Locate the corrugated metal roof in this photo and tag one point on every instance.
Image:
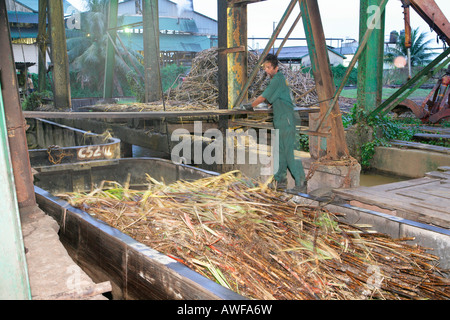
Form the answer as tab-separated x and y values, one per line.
24	33
287	53
23	17
169	42
34	4
295	52
165	23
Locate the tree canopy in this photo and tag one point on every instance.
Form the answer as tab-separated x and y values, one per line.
420	52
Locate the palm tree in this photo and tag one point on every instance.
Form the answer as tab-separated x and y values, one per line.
87	49
420	52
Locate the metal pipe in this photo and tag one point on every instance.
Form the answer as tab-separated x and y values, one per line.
408	42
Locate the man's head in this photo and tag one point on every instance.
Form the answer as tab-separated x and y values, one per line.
270	64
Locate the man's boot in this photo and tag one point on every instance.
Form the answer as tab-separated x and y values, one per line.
299	187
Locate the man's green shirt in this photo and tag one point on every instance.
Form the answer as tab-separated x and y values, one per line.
278	94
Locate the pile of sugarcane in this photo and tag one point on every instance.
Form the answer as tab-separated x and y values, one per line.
262	244
201	84
152	106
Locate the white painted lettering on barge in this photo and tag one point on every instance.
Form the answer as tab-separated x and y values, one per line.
94	152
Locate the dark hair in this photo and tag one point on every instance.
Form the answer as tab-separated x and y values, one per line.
273	59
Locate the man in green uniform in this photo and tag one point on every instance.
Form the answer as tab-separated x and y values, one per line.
278	95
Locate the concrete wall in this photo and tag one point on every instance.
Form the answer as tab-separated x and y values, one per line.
411	163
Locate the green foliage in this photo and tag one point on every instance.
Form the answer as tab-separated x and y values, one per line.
420	52
136	87
86	49
302	142
170	73
36	100
339	73
384	129
169	76
441	142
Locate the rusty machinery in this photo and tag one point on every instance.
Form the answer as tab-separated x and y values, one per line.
436	105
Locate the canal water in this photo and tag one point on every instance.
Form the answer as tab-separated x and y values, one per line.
369	179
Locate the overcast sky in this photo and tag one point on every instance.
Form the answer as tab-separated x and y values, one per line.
340	18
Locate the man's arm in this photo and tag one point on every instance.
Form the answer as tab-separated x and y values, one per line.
258	100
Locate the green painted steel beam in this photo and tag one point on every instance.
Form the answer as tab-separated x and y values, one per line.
61	80
14	283
370	65
108	81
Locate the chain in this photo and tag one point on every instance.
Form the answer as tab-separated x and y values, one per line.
56	159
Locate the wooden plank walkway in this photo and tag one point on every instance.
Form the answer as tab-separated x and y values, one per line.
425	200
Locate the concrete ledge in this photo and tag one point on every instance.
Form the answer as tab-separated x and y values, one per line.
411	163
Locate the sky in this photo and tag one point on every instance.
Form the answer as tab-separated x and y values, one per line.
340	19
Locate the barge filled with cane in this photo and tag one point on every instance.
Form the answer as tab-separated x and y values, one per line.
158	230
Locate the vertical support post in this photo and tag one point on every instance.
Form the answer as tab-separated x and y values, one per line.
222	60
61	81
408	40
334	146
237	61
151	50
370	64
42	45
108	81
265	52
15	121
14	283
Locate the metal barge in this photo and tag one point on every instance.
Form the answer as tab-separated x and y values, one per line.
137	271
134	270
52	143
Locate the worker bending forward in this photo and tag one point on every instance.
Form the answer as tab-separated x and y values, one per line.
278	94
